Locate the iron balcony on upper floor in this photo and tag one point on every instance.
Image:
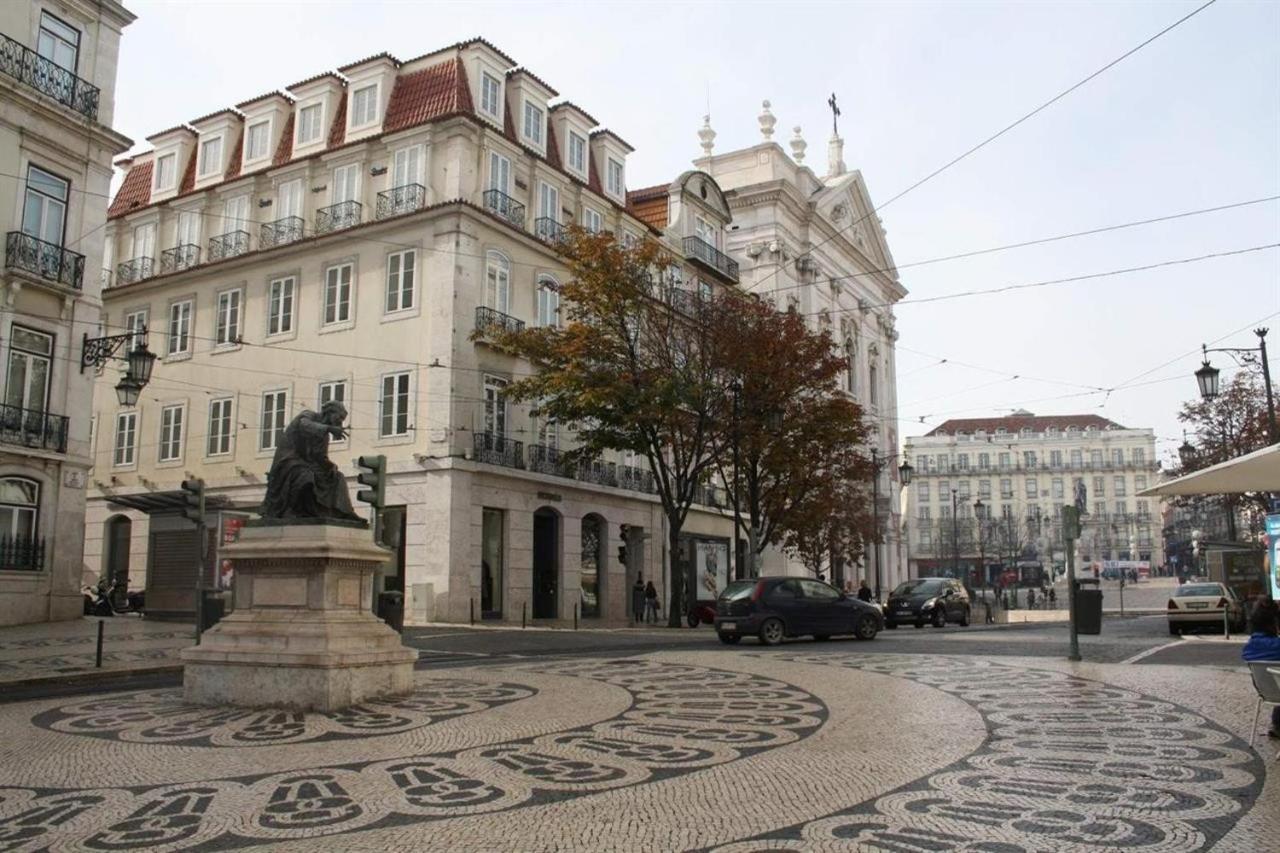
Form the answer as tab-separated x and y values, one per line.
288	229
47	261
335	217
228	245
182	257
398	200
491	318
709	257
48	78
498	450
135	270
548	230
33	428
505	206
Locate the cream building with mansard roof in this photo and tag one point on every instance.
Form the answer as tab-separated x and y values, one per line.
341	239
57	100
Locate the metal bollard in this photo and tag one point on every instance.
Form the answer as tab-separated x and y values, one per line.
523	606
575	616
472	603
102	624
1226	623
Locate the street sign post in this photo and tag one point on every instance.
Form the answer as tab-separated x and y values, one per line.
1071	532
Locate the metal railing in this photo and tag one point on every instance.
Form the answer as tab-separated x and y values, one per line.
547	229
697	249
48	261
498	450
48	78
135	270
545	460
492	318
595	471
398	200
281	232
335	217
712	496
32	428
505	206
21	554
181	257
228	245
636	479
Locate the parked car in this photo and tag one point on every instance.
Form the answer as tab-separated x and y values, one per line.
776	607
933	600
1198	604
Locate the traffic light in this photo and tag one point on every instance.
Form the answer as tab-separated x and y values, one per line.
373	473
193	500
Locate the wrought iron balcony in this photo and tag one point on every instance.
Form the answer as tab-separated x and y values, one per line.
546	228
21	554
595	471
712	496
545	460
491	318
48	261
703	253
636	479
135	270
398	200
31	428
498	450
335	217
281	232
48	77
505	206
182	257
228	245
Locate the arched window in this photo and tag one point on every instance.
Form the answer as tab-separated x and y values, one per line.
851	366
497	289
548	301
19	508
872	391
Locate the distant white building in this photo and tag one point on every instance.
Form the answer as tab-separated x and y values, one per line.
991	490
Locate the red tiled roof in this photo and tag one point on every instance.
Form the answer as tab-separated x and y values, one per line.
188	175
516	72
478	40
359	62
271	94
593	177
135	191
508	124
233	168
648	193
1017	423
604	131
571	105
170	130
553	149
651	211
215	114
319	76
427	94
284	150
338	130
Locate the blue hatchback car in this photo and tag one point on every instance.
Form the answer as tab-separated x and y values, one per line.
777	607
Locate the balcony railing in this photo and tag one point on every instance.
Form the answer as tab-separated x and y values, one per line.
491	318
636	479
182	257
545	460
699	250
31	428
595	471
335	217
712	496
498	450
48	261
21	554
135	270
228	245
281	232
48	78
398	200
505	206
546	228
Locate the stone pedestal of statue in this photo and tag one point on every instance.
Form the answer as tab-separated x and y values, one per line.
302	635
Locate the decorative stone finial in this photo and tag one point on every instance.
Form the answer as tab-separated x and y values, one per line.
767	121
707	135
835	157
797	146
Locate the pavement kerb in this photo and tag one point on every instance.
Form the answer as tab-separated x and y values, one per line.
90	676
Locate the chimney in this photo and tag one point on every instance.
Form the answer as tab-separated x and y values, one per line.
835	157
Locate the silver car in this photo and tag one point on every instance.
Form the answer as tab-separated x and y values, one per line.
1194	604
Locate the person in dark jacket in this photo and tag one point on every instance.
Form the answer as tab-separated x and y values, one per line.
650	602
1264	645
637	599
864	592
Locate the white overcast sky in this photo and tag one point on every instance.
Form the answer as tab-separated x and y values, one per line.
1189	122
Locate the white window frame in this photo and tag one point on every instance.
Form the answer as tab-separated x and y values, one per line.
289	198
267	441
134	322
125	455
404	292
404	173
144	240
235	214
346	183
229	318
205	169
318	106
375	106
497	281
221	436
548	296
578	168
343	293
397	389
614	168
548	201
282	294
531	110
592	220
188	229
496	411
173	419
249	156
48	35
496	111
172	159
186	324
499	173
324	393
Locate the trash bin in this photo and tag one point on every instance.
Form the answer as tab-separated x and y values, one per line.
1088	607
391	609
213	606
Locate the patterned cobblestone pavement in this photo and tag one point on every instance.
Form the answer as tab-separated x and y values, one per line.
754	750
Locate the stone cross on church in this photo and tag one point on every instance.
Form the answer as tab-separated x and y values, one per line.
835	114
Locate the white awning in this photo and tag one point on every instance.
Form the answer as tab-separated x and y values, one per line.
1258	471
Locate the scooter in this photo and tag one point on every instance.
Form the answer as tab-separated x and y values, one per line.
112	600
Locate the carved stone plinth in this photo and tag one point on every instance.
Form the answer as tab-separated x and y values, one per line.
302	635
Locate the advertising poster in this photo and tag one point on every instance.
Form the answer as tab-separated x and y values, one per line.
712	567
1273	555
230	532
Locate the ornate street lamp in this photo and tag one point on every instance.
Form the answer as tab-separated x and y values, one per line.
96	351
1186	452
1207	379
905	472
1207	376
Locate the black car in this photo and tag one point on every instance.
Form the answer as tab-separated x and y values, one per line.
933	600
773	608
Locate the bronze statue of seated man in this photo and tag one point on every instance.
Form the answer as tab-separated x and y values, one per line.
303	483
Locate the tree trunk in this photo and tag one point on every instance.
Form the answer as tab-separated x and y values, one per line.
676	578
753	552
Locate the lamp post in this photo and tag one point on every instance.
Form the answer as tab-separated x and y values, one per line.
978	507
955	533
738	571
96	351
1207	377
905	472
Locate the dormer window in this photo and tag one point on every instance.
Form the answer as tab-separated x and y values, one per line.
309	124
364	106
533	123
256	140
577	153
490	94
210	156
166	170
615	183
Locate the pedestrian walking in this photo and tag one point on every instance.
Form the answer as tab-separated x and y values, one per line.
651	602
637	599
1031	599
1053	599
864	591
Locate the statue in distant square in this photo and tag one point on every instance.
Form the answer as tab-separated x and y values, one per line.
302	482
